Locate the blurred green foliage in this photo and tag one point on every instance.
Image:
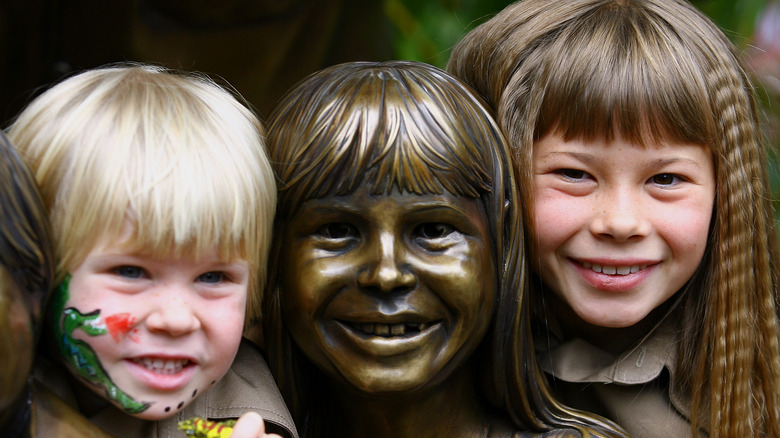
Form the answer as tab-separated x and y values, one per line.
427	31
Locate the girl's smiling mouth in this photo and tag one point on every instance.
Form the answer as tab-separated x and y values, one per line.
613	277
613	270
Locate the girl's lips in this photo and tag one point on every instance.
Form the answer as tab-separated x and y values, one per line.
162	373
613	278
614	270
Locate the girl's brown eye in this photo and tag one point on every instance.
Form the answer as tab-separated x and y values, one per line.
665	179
573	174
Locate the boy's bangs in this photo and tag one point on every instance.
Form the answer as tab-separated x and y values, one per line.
639	91
193	211
176	206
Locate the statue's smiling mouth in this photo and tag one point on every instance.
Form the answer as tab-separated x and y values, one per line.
389	330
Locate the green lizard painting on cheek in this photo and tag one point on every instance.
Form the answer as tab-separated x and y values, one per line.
79	354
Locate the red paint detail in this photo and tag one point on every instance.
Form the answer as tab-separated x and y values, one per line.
119	324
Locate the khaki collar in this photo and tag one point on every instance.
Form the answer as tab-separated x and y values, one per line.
577	361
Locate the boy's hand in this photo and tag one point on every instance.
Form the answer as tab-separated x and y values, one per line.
251	425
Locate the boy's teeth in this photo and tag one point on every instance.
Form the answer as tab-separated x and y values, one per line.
614	270
162	366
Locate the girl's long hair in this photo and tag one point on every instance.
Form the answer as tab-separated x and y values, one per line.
656	70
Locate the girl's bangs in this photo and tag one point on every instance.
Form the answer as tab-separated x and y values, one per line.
592	91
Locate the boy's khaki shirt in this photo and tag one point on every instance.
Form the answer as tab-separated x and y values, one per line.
247	386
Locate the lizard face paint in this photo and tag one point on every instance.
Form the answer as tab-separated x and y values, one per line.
148	334
79	354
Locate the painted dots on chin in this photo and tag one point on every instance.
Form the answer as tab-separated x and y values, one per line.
180	405
167	409
194	393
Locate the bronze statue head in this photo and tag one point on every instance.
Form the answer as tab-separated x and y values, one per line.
26	271
358	149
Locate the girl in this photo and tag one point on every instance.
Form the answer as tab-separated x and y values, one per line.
399	282
160	198
635	136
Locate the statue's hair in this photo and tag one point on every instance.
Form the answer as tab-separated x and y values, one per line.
174	154
409	127
26	266
654	70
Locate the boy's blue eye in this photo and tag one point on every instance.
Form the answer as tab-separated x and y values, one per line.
129	271
211	277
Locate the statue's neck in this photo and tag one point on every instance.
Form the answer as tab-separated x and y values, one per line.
452	408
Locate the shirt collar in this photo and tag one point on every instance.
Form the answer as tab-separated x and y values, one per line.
578	361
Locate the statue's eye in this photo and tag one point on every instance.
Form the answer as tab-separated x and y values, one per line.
434	230
337	230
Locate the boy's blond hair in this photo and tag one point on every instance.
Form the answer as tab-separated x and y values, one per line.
176	155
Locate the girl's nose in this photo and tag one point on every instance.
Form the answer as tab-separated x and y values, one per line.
620	215
173	316
384	268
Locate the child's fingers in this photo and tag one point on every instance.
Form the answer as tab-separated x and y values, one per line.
251	425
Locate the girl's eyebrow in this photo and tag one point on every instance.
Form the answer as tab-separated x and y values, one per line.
661	162
657	162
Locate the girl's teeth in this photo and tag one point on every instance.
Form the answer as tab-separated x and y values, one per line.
162	366
614	270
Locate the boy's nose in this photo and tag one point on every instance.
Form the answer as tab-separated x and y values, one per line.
383	268
173	316
619	215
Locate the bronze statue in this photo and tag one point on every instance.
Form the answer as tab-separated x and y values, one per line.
26	272
396	300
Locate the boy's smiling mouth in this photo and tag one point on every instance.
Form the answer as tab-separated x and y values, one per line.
163	366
